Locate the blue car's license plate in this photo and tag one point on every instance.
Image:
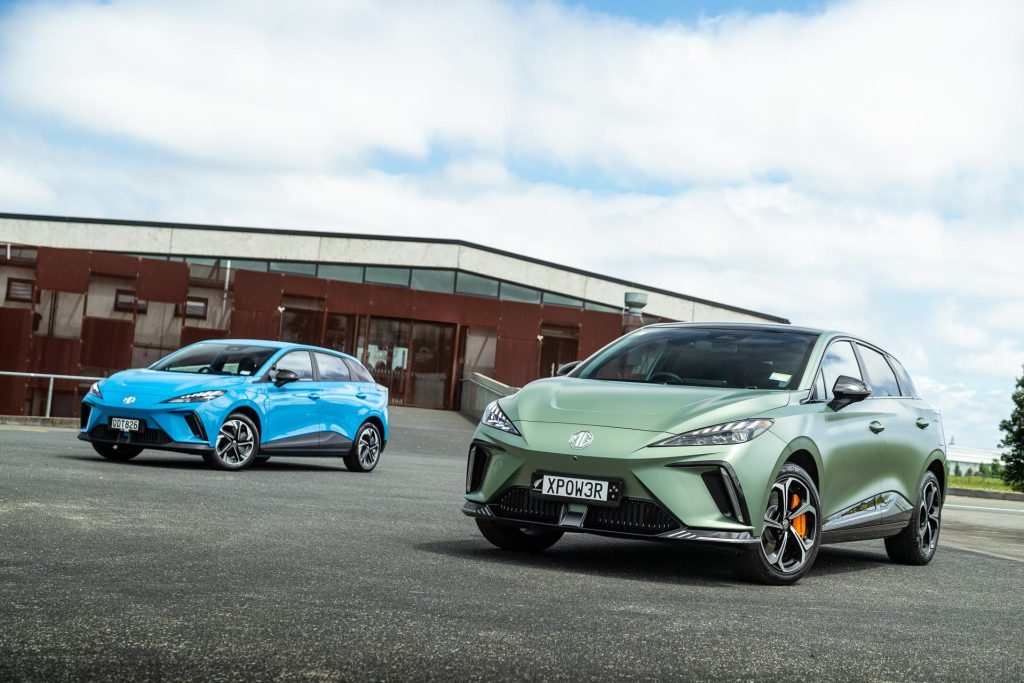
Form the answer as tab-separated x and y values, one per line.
125	424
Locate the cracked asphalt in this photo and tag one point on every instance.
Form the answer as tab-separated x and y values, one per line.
299	570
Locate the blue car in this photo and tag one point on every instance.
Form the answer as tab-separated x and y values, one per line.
239	401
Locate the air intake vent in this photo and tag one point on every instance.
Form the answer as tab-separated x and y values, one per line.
83	415
196	426
633	516
716	487
517	503
476	467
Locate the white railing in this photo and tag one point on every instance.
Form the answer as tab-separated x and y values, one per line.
52	378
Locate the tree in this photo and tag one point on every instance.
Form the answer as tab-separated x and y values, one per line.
969	473
956	470
1013	442
983	470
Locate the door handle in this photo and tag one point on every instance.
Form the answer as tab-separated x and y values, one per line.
877	427
360	395
315	397
922	423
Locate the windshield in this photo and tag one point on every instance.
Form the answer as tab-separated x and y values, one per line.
217	359
705	357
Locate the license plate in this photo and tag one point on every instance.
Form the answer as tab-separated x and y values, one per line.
562	487
125	424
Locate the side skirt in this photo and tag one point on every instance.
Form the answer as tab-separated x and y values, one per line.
323	444
879	516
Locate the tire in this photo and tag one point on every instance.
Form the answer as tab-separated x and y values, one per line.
238	442
788	546
523	539
917	543
366	449
116	451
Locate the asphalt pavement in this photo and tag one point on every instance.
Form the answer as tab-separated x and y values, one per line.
297	569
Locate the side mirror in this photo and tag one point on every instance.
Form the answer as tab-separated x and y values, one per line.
848	390
564	370
283	377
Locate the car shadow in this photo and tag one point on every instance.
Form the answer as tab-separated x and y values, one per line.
197	463
645	560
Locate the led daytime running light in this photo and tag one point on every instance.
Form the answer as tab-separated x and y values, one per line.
725	434
494	417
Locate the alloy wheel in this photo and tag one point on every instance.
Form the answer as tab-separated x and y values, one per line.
790	525
369	448
235	442
931	505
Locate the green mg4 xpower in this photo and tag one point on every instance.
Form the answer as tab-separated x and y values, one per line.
770	439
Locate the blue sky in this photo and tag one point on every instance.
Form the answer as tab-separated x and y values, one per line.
850	164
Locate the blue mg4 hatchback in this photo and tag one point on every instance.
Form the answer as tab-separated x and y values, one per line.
238	401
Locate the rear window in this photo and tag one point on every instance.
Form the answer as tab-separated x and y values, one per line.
706	357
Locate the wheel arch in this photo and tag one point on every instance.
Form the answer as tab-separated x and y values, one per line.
251	413
937	464
379	424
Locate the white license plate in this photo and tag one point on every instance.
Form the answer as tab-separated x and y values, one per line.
556	486
124	424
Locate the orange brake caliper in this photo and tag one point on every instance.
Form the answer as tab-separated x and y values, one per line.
799	523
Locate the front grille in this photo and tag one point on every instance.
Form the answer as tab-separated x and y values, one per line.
148	437
632	516
83	415
716	487
517	503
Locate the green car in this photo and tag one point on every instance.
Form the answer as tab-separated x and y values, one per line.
768	439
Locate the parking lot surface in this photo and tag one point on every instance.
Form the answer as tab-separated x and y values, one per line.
300	570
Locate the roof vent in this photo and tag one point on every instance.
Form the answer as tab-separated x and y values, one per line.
635	302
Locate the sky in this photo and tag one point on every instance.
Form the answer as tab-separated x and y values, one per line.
855	164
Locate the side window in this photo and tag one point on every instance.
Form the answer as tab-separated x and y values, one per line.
907	387
839	360
299	363
332	368
881	378
359	373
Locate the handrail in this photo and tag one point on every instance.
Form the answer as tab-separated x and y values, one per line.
49	390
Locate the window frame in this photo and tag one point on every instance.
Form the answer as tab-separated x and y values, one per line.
183	308
33	296
866	376
137	305
821	371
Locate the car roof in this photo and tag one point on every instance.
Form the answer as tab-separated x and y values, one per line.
773	327
276	345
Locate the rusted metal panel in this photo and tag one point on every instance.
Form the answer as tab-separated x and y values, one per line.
519	320
389	302
347	297
255	291
165	281
191	335
15	339
56	356
12	395
256	325
107	343
62	270
598	329
300	285
435	306
561	315
120	265
516	360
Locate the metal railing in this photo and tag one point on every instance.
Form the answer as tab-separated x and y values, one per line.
478	391
52	378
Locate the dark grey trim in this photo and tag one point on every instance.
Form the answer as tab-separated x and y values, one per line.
684	534
318	443
429	240
873	517
173	446
732	485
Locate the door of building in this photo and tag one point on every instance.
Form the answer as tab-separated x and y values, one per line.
413	359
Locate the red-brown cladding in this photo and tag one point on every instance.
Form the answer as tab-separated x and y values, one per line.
165	281
107	343
62	270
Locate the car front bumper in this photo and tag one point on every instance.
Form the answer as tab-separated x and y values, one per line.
184	428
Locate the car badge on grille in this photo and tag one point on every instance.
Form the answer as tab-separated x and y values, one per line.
581	440
128	400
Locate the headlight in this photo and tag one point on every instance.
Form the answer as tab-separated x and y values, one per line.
725	434
494	417
198	397
94	390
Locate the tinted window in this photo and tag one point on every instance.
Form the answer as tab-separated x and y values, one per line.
511	292
433	280
299	363
388	276
332	368
217	359
705	357
359	373
839	360
907	387
881	378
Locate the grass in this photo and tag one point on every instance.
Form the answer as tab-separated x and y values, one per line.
982	483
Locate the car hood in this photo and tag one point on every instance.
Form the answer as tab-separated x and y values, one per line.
648	407
166	384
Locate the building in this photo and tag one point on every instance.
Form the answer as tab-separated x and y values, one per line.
90	297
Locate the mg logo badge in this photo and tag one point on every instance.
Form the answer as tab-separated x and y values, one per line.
581	440
128	400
